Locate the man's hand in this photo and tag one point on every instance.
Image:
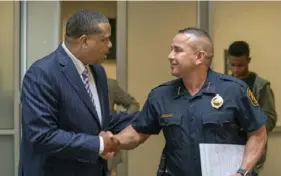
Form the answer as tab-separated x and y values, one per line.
111	145
236	174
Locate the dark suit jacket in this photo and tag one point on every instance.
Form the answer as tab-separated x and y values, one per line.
60	126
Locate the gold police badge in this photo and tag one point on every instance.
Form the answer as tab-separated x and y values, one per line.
217	101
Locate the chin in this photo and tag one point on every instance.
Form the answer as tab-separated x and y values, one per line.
175	74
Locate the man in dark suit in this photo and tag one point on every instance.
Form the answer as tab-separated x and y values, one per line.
65	108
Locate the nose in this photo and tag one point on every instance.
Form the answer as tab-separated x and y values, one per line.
109	44
235	70
171	56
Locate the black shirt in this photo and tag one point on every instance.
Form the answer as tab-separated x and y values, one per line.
250	80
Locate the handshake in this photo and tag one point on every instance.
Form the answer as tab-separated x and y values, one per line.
111	145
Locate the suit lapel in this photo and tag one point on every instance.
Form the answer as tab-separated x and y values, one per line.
70	72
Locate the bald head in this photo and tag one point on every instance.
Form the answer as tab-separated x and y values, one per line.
199	40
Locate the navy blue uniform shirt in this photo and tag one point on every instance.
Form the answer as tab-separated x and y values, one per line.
188	120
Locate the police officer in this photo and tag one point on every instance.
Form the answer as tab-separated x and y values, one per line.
201	106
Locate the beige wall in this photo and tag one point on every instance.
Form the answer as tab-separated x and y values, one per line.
259	24
151	28
6	46
108	8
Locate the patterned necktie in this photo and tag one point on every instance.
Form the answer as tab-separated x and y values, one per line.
85	79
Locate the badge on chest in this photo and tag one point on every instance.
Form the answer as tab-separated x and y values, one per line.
217	101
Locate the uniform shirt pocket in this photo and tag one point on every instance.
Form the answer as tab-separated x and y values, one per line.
172	129
218	119
220	127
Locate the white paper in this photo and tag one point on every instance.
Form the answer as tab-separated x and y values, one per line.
220	159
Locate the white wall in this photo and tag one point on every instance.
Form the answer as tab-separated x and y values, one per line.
259	24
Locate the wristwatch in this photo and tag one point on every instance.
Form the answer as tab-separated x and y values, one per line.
243	172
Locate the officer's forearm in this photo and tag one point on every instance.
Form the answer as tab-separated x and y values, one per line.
254	148
129	138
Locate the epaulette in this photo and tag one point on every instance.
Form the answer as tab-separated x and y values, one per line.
233	79
172	82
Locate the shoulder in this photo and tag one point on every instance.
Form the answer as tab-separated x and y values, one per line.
232	80
166	88
232	84
261	82
43	67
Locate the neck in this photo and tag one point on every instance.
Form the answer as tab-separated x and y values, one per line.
194	81
74	50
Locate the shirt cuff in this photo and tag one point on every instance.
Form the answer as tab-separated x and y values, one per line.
101	145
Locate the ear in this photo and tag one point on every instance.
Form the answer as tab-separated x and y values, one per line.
249	59
83	41
200	57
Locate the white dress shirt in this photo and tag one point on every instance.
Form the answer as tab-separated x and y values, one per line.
80	69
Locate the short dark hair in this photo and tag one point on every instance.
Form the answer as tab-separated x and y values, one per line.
239	48
196	32
84	22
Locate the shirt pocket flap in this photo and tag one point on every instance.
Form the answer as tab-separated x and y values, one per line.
218	118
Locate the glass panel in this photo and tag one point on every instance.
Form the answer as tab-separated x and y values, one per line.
7	155
6	65
42	34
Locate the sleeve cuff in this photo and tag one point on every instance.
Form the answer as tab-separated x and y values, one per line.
101	145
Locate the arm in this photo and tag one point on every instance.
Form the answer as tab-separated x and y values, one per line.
252	119
145	123
129	138
254	148
40	112
123	98
120	121
267	103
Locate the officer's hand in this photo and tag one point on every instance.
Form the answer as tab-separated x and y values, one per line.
237	174
111	145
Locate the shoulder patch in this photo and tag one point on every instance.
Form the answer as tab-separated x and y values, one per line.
252	97
233	79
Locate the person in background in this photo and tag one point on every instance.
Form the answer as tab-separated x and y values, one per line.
239	53
122	99
119	101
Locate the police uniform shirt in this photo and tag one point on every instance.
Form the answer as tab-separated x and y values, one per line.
189	120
